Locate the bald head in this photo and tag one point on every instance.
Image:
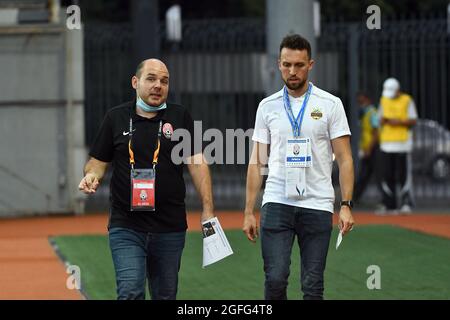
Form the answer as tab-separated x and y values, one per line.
151	82
151	64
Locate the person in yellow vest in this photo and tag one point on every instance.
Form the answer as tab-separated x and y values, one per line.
398	115
368	143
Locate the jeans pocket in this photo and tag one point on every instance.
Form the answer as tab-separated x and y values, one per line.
317	221
276	216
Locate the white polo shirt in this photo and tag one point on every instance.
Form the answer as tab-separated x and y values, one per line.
323	121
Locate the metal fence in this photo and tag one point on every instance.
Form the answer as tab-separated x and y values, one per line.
414	51
417	52
218	68
214	73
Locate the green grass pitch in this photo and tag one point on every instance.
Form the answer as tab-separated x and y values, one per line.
412	266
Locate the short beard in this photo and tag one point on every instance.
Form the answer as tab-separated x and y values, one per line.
295	86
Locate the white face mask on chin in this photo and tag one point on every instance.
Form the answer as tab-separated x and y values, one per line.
145	107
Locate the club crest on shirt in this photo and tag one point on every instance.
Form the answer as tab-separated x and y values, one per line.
167	130
316	114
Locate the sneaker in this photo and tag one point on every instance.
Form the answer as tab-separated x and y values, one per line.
381	210
393	212
405	209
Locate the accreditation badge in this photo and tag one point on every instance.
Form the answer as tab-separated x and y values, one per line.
298	159
298	153
142	190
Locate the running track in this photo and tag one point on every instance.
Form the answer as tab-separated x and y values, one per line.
30	269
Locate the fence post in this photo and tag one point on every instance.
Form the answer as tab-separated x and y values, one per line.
448	18
146	37
353	88
291	17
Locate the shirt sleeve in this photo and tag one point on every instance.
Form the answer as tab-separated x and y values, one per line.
374	119
412	111
261	132
103	147
380	111
338	124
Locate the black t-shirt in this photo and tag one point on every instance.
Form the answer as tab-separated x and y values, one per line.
111	145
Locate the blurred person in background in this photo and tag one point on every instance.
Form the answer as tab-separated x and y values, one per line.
298	197
397	113
147	222
368	143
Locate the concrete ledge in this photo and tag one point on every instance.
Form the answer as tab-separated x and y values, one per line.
38	103
32	29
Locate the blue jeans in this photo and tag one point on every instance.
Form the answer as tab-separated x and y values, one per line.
279	225
137	255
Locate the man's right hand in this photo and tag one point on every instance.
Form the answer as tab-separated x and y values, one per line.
250	227
89	183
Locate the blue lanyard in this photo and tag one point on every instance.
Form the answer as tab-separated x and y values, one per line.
296	123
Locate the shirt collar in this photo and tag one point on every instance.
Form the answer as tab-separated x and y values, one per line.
161	115
280	93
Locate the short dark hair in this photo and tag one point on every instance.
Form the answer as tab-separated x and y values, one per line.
139	68
365	94
296	42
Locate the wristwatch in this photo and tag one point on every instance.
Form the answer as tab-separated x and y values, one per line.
348	203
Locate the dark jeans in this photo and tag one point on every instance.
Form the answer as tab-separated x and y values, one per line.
138	254
279	225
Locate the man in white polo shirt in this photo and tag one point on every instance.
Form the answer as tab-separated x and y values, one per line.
297	130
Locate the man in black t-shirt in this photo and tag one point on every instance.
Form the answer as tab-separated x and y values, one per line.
147	225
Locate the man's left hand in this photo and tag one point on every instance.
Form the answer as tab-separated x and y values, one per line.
346	220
